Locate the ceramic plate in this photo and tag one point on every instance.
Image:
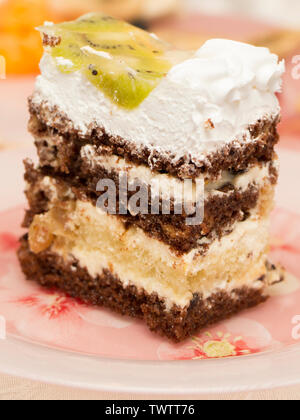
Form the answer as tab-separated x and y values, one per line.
55	339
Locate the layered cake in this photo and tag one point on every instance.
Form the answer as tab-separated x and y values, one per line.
118	114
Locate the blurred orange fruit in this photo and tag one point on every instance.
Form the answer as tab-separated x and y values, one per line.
20	43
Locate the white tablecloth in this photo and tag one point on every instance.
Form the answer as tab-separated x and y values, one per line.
21	389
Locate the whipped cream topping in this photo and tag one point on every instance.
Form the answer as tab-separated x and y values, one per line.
203	103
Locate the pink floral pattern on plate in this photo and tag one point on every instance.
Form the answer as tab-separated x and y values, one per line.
233	338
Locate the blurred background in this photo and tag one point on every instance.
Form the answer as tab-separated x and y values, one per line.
185	23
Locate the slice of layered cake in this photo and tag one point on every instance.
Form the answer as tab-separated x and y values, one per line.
156	174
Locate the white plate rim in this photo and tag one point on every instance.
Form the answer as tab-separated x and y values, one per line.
279	368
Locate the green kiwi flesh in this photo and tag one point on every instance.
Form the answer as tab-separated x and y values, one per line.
124	62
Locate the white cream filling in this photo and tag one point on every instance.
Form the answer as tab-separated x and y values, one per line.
166	185
228	84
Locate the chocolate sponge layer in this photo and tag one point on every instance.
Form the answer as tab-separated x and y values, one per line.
221	212
49	123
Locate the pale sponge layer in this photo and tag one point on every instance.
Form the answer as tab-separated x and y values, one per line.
98	241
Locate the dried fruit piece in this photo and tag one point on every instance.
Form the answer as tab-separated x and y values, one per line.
40	236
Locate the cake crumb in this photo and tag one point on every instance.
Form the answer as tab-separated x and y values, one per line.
51	41
209	124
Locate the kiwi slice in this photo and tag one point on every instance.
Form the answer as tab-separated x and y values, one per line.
123	61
